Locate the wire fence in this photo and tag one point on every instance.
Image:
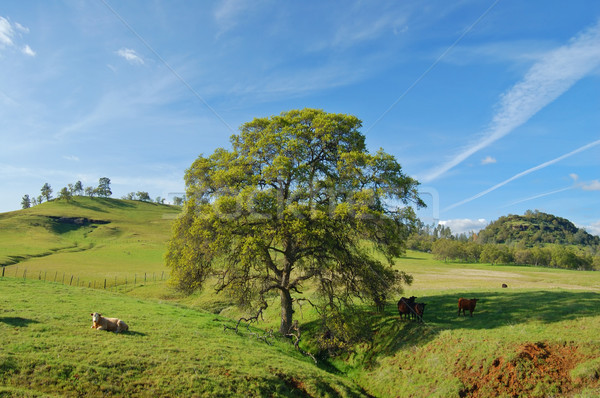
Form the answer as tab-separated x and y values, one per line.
106	283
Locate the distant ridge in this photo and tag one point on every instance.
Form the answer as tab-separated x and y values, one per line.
536	228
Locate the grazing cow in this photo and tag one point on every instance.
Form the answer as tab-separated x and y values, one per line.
111	324
466	304
504	285
419	310
406	307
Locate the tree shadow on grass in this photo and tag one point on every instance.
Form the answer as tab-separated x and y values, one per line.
493	310
17	321
134	333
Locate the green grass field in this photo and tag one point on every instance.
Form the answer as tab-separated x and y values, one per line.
538	337
124	239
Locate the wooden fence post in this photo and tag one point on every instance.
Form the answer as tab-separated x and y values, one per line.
144	277
45	272
55	274
16	271
134	279
40	276
25	274
63	280
104	283
3	268
71	281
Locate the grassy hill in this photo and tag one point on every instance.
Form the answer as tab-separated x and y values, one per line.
536	338
90	238
48	348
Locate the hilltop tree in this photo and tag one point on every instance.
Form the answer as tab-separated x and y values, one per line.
178	201
65	193
103	189
143	196
25	202
297	198
46	191
78	188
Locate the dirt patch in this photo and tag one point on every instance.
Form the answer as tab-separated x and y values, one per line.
538	370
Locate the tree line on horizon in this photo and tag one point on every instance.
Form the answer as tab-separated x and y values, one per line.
536	238
102	191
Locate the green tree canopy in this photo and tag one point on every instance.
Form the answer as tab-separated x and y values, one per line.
298	197
103	189
46	191
26	202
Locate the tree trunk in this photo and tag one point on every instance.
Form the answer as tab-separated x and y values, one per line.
286	311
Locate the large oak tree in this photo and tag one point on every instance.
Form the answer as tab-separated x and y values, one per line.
297	199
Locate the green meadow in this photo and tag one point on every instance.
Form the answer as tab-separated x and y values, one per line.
538	337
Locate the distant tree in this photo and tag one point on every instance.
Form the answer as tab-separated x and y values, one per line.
143	196
71	189
40	199
65	193
159	200
496	254
78	189
25	202
297	198
129	196
178	201
47	191
103	189
34	202
91	192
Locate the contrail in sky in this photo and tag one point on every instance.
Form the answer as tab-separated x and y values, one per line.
545	81
524	173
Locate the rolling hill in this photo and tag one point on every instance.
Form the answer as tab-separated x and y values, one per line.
536	338
94	238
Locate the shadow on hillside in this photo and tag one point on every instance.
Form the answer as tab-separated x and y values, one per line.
494	310
108	202
17	321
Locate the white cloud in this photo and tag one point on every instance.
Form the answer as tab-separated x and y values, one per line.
545	81
592	186
594	228
464	225
28	51
488	160
6	33
71	157
21	28
130	56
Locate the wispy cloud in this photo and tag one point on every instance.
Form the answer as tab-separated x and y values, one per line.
28	51
541	195
524	173
71	158
545	81
592	186
228	13
21	28
488	160
6	33
131	56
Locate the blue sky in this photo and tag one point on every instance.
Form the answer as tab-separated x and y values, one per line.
494	106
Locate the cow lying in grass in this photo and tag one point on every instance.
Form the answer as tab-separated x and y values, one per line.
111	324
